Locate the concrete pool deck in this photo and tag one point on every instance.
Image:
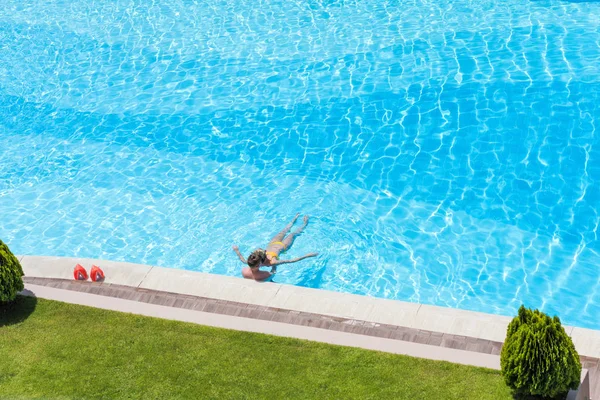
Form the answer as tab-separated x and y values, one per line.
388	325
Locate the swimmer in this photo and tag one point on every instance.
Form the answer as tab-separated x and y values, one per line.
270	256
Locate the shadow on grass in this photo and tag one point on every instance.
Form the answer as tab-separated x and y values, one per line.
17	311
517	396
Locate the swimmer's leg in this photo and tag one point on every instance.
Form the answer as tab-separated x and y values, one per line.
290	239
279	237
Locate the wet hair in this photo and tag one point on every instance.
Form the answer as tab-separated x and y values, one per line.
256	258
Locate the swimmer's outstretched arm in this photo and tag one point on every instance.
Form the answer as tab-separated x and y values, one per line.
237	251
293	260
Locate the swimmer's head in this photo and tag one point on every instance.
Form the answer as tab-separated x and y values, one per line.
256	258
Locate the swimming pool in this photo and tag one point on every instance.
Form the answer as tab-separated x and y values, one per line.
446	151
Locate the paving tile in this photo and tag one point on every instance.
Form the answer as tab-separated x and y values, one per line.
405	329
397	334
409	335
94	290
470	339
306	315
461	322
120	293
479	347
361	330
226	309
263	309
422	337
450	342
335	319
352	325
199	305
589	362
235	304
233	310
210	307
393	313
158	299
250	313
178	303
238	311
63	285
304	320
304	299
371	325
111	292
133	296
354	322
336	326
48	267
188	304
285	318
388	327
267	315
122	273
381	332
586	341
435	338
146	297
319	323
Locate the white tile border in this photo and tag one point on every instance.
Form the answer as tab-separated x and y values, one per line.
317	301
122	273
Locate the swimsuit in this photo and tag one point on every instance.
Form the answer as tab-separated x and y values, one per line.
272	253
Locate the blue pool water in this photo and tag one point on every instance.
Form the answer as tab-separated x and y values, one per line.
447	151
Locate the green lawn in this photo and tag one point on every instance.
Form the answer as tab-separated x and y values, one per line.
55	350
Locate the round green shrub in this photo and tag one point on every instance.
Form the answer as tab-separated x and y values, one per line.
11	275
538	359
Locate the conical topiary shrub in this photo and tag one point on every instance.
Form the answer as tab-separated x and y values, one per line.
11	275
538	359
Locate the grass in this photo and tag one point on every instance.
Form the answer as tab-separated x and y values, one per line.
50	349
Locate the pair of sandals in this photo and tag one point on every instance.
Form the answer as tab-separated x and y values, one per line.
80	274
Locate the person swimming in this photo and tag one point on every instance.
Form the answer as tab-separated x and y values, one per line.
270	256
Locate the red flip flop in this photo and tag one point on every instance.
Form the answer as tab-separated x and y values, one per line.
97	274
79	273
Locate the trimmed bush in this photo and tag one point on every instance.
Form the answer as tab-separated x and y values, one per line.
11	273
538	359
